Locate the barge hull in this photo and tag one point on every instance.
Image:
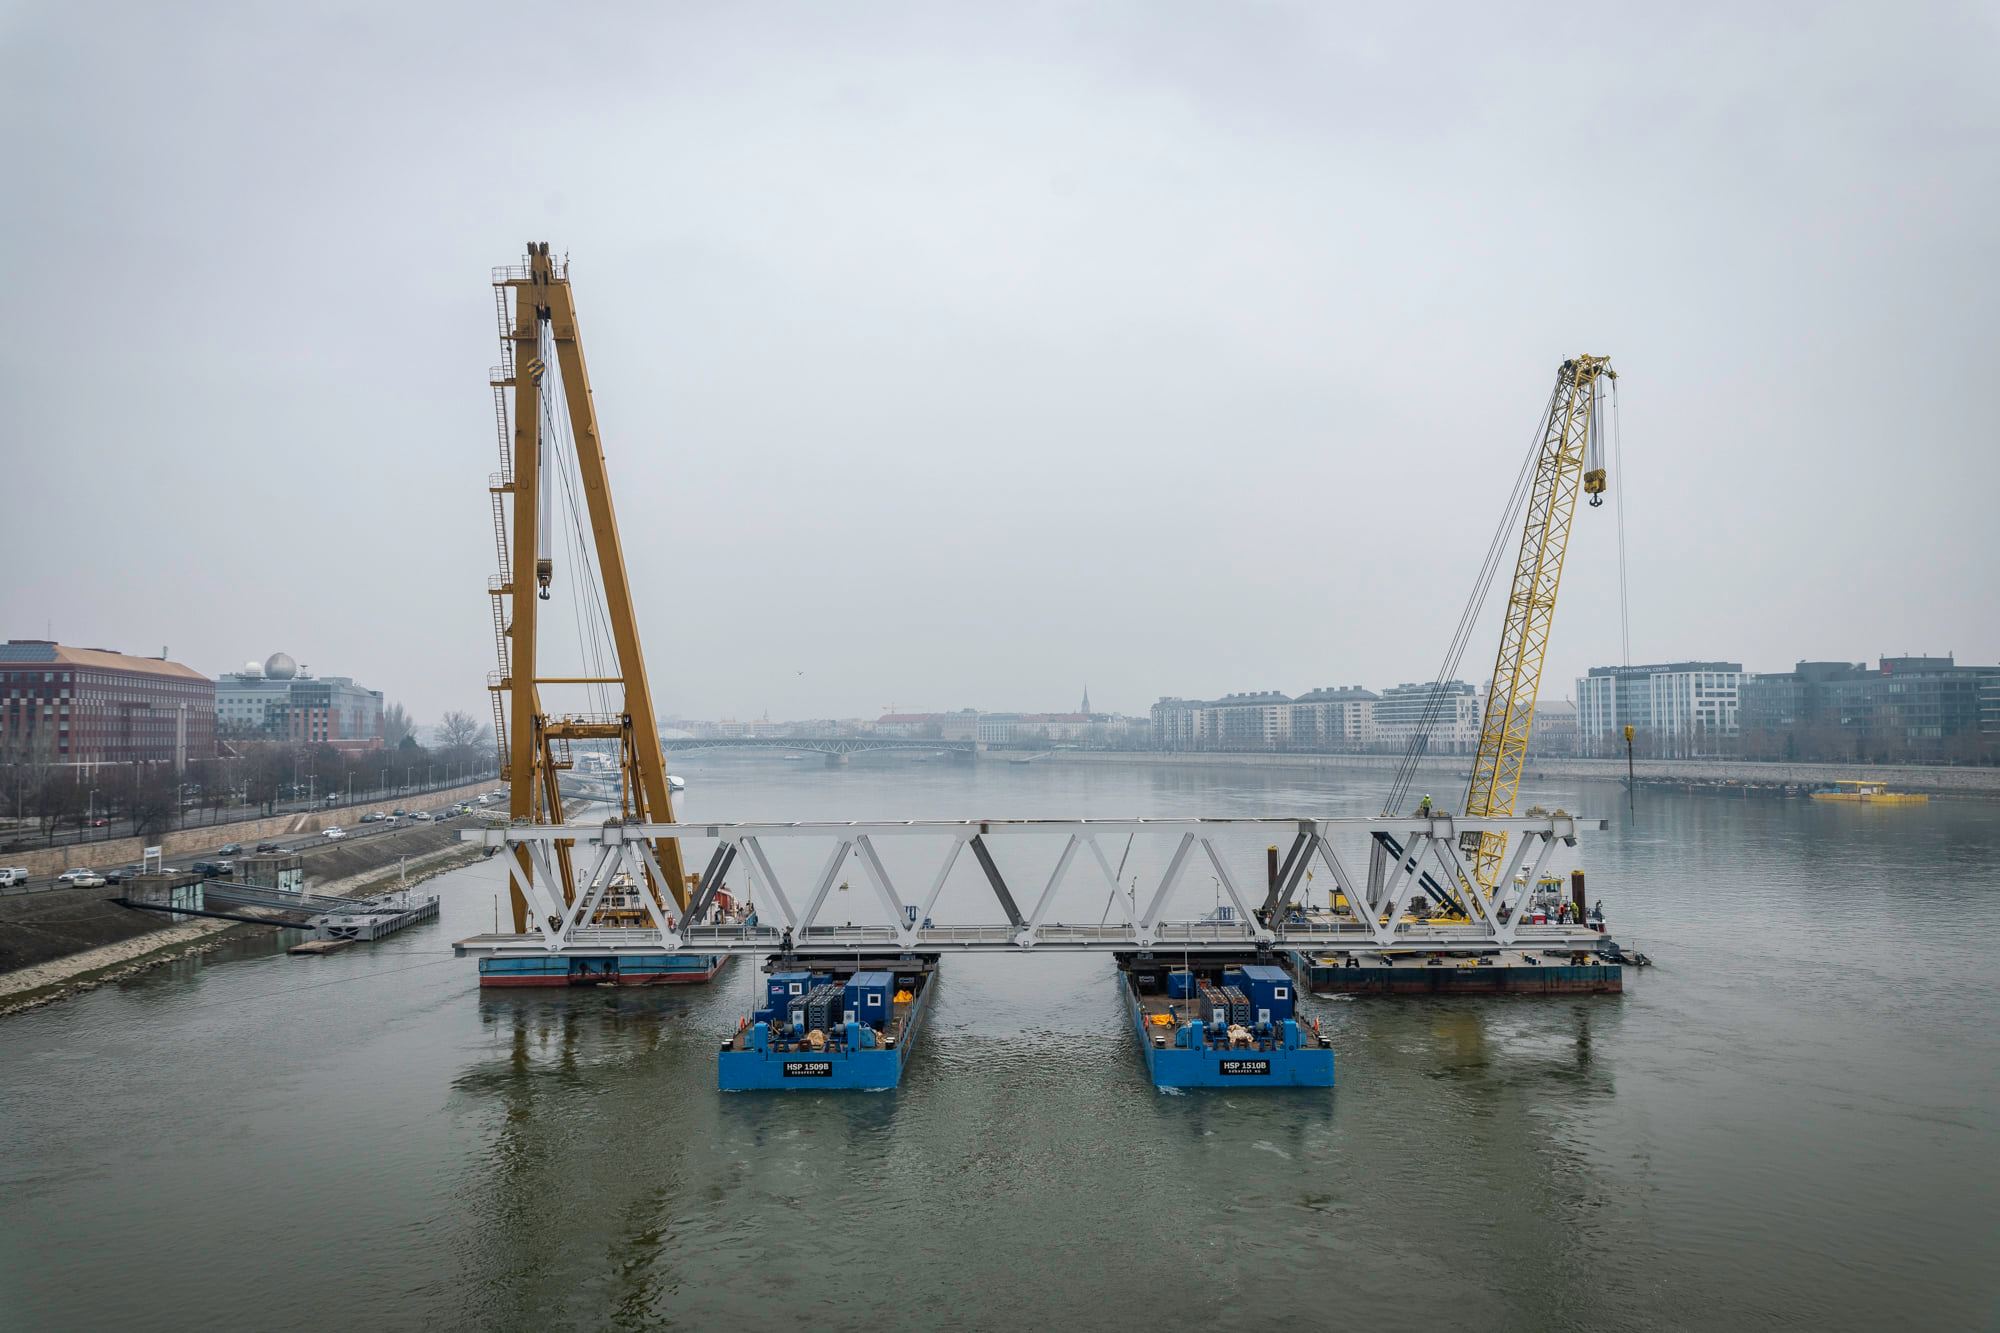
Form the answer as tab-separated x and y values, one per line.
620	970
1330	976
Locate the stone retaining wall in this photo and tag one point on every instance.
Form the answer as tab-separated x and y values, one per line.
1983	782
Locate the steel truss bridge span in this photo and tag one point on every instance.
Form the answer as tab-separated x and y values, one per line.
1401	856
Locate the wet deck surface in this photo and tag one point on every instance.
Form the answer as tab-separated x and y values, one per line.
1506	958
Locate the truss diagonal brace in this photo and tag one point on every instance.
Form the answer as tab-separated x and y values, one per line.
711	880
985	859
760	865
1151	915
878	875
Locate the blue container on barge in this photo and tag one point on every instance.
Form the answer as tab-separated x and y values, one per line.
1222	1023
830	1025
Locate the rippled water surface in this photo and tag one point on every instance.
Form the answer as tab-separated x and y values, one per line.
1790	1122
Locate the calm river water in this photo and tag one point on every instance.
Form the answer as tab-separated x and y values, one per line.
1789	1122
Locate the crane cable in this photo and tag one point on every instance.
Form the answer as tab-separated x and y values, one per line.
1468	618
1618	502
592	621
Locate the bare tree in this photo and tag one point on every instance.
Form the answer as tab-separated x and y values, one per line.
155	798
395	725
61	802
265	770
462	732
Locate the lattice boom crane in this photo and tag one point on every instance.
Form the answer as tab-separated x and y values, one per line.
1571	454
551	417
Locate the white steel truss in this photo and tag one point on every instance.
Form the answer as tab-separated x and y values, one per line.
1373	919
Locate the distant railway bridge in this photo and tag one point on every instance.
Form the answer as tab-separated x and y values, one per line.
837	749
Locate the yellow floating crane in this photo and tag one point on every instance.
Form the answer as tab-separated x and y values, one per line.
1571	453
538	333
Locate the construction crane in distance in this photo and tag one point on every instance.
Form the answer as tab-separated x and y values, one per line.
1571	455
550	429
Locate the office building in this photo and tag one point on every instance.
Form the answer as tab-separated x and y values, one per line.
1681	707
85	706
279	700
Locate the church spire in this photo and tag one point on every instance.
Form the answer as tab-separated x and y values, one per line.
1085	710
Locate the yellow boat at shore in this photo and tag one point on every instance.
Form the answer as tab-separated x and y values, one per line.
1869	793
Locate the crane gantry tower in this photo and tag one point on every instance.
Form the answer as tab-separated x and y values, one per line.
538	334
1571	453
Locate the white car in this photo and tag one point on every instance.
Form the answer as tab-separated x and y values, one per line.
335	832
421	817
81	877
11	875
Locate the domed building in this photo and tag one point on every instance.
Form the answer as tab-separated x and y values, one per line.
281	700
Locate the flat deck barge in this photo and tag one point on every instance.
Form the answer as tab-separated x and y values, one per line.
830	1024
1506	972
1221	1023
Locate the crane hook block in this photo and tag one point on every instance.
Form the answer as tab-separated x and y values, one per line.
545	571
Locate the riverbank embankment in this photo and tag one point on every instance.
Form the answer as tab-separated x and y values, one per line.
54	945
46	861
1936	780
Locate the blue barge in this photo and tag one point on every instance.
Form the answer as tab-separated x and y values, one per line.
828	1024
1222	1023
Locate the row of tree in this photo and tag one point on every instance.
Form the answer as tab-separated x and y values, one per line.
248	775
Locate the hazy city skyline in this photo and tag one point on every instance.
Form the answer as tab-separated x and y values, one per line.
953	357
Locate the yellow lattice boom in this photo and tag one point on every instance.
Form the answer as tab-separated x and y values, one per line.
1570	456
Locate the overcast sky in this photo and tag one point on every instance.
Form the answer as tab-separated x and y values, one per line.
957	356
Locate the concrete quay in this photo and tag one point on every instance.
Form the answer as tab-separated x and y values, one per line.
1939	780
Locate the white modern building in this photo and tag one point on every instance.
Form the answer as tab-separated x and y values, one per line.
1450	711
1677	705
1333	717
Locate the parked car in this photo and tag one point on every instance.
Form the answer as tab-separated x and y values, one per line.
372	817
82	877
336	832
270	847
123	873
100	822
215	869
12	875
230	849
398	812
421	817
